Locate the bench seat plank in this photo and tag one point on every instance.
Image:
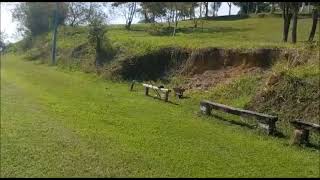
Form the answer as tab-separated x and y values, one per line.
155	87
237	111
305	125
266	121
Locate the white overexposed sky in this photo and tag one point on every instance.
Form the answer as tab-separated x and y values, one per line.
10	28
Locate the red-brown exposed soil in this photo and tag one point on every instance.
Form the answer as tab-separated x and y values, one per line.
211	78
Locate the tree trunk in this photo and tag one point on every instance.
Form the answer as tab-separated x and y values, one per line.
286	21
146	17
207	8
98	52
294	26
314	24
176	22
214	9
200	10
272	8
257	8
285	30
128	25
54	43
229	9
302	7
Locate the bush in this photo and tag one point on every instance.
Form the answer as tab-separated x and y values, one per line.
159	30
261	15
32	54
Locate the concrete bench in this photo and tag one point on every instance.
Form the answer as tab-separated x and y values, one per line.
302	130
265	121
162	90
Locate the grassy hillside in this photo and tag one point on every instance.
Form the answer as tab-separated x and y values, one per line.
71	124
239	33
254	32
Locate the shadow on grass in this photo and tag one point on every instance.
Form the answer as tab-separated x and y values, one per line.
189	30
313	146
184	97
169	101
277	134
227	18
233	122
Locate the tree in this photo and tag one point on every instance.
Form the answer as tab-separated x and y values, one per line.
35	18
152	10
252	7
215	7
315	14
95	12
272	8
206	5
295	10
77	13
194	5
229	4
200	9
96	37
286	15
257	7
290	11
55	34
128	10
3	36
176	10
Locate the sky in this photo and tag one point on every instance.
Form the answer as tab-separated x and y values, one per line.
10	28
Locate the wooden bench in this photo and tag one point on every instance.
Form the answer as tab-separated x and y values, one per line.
302	130
265	121
163	90
178	91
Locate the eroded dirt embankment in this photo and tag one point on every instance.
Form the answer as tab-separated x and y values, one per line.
202	68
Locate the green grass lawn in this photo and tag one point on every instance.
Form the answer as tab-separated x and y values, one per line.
71	124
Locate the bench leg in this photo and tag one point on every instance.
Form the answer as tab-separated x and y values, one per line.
300	136
131	87
272	128
205	109
166	97
147	91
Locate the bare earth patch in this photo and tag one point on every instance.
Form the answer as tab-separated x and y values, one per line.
211	78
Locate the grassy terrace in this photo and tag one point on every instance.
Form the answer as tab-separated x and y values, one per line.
56	123
252	32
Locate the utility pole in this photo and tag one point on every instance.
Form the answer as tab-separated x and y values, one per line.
55	36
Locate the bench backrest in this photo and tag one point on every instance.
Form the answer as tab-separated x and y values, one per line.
157	88
240	112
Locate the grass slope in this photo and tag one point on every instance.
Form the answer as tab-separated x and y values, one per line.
253	32
60	124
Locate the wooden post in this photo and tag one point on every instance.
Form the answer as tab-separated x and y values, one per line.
272	127
205	109
300	136
269	126
147	91
166	96
132	84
